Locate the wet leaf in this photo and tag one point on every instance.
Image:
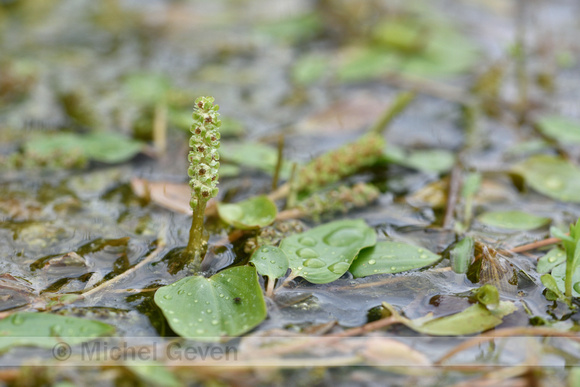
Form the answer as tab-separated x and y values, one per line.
553	258
513	220
562	129
551	284
107	147
461	255
475	319
229	303
487	295
254	155
46	330
551	176
432	160
256	212
559	275
391	257
324	253
270	261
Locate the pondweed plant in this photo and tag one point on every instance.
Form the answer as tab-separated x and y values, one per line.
572	247
203	171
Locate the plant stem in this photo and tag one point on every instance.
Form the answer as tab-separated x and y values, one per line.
397	107
196	241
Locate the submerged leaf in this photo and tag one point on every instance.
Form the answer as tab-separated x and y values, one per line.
256	212
551	176
229	303
553	258
391	257
270	261
323	254
513	220
46	330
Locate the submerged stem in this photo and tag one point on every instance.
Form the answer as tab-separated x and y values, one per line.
197	242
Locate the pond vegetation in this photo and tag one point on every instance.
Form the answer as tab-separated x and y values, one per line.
398	192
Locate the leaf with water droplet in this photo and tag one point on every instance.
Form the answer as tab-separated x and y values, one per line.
512	220
391	257
256	212
559	275
263	257
242	309
324	253
553	258
46	330
552	176
461	255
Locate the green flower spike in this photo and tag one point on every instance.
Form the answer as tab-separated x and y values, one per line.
203	170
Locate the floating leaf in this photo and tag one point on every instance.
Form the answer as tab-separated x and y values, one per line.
432	160
551	176
513	220
461	255
559	128
153	373
324	253
551	284
107	147
46	330
553	258
254	155
475	319
256	212
229	303
559	274
310	68
391	257
270	261
487	295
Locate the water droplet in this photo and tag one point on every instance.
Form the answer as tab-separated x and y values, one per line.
207	302
265	250
423	256
393	268
554	183
200	320
170	312
195	301
209	311
299	268
343	237
372	262
190	294
272	262
307	253
221	295
175	320
307	241
339	267
199	331
214	322
420	250
552	259
180	291
229	279
55	330
168	296
314	263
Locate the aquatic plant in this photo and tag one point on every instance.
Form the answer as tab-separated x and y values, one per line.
203	170
572	247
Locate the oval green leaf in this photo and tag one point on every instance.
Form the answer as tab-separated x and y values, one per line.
46	330
512	220
324	253
461	255
391	257
553	258
562	129
551	176
256	212
270	261
229	303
